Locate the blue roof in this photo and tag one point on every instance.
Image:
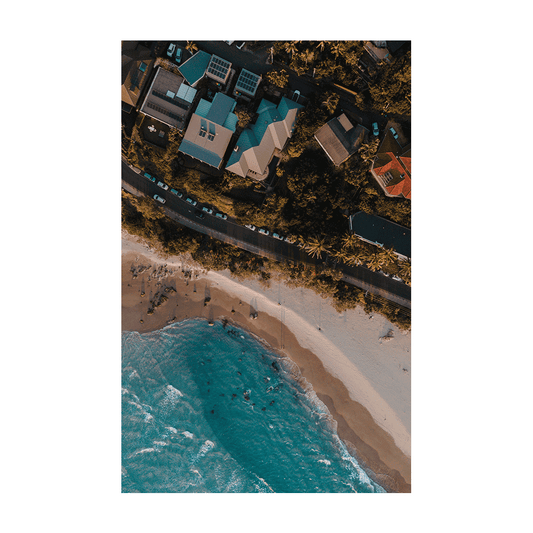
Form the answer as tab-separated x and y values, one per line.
194	68
221	106
198	152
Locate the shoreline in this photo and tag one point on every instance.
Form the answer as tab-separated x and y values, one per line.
383	449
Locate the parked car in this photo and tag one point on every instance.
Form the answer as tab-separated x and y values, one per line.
289	240
170	50
177	193
178	56
159	199
277	236
396	278
208	210
191	201
164	186
222	216
394	134
151	178
375	129
250	226
199	214
263	231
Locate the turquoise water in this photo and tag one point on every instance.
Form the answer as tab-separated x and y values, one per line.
211	409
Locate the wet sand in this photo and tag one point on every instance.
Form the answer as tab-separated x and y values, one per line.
373	447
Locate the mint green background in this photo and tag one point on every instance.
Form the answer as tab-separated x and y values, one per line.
51	264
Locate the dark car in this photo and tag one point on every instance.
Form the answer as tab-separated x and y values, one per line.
199	214
178	56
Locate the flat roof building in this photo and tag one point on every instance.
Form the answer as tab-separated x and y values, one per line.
247	83
381	232
218	69
169	99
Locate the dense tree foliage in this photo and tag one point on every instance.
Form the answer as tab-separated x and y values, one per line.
334	61
391	90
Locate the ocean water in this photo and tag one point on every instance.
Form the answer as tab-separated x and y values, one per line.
211	409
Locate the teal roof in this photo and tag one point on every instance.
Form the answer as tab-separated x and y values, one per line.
231	121
203	108
194	68
200	153
265	104
221	106
285	105
245	141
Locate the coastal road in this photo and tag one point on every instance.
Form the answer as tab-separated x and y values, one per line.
265	245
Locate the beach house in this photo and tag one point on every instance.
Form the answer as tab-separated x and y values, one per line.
340	139
258	143
391	167
210	129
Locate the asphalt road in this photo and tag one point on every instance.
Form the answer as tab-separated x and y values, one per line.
231	232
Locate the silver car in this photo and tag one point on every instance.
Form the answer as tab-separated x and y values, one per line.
159	199
164	186
170	50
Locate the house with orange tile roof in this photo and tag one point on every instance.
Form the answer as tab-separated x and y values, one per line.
391	167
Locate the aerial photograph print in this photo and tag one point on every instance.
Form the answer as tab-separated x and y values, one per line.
266	266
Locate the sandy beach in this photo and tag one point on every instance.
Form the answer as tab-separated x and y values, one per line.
359	365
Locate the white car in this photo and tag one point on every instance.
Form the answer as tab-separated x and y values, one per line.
208	210
263	231
250	226
277	236
171	49
159	199
164	186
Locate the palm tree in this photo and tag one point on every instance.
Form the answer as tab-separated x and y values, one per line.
405	270
337	48
375	261
191	46
330	101
316	245
321	45
290	47
388	255
307	55
350	240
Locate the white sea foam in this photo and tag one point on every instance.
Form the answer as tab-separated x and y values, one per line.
187	434
325	461
138	452
160	443
173	430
